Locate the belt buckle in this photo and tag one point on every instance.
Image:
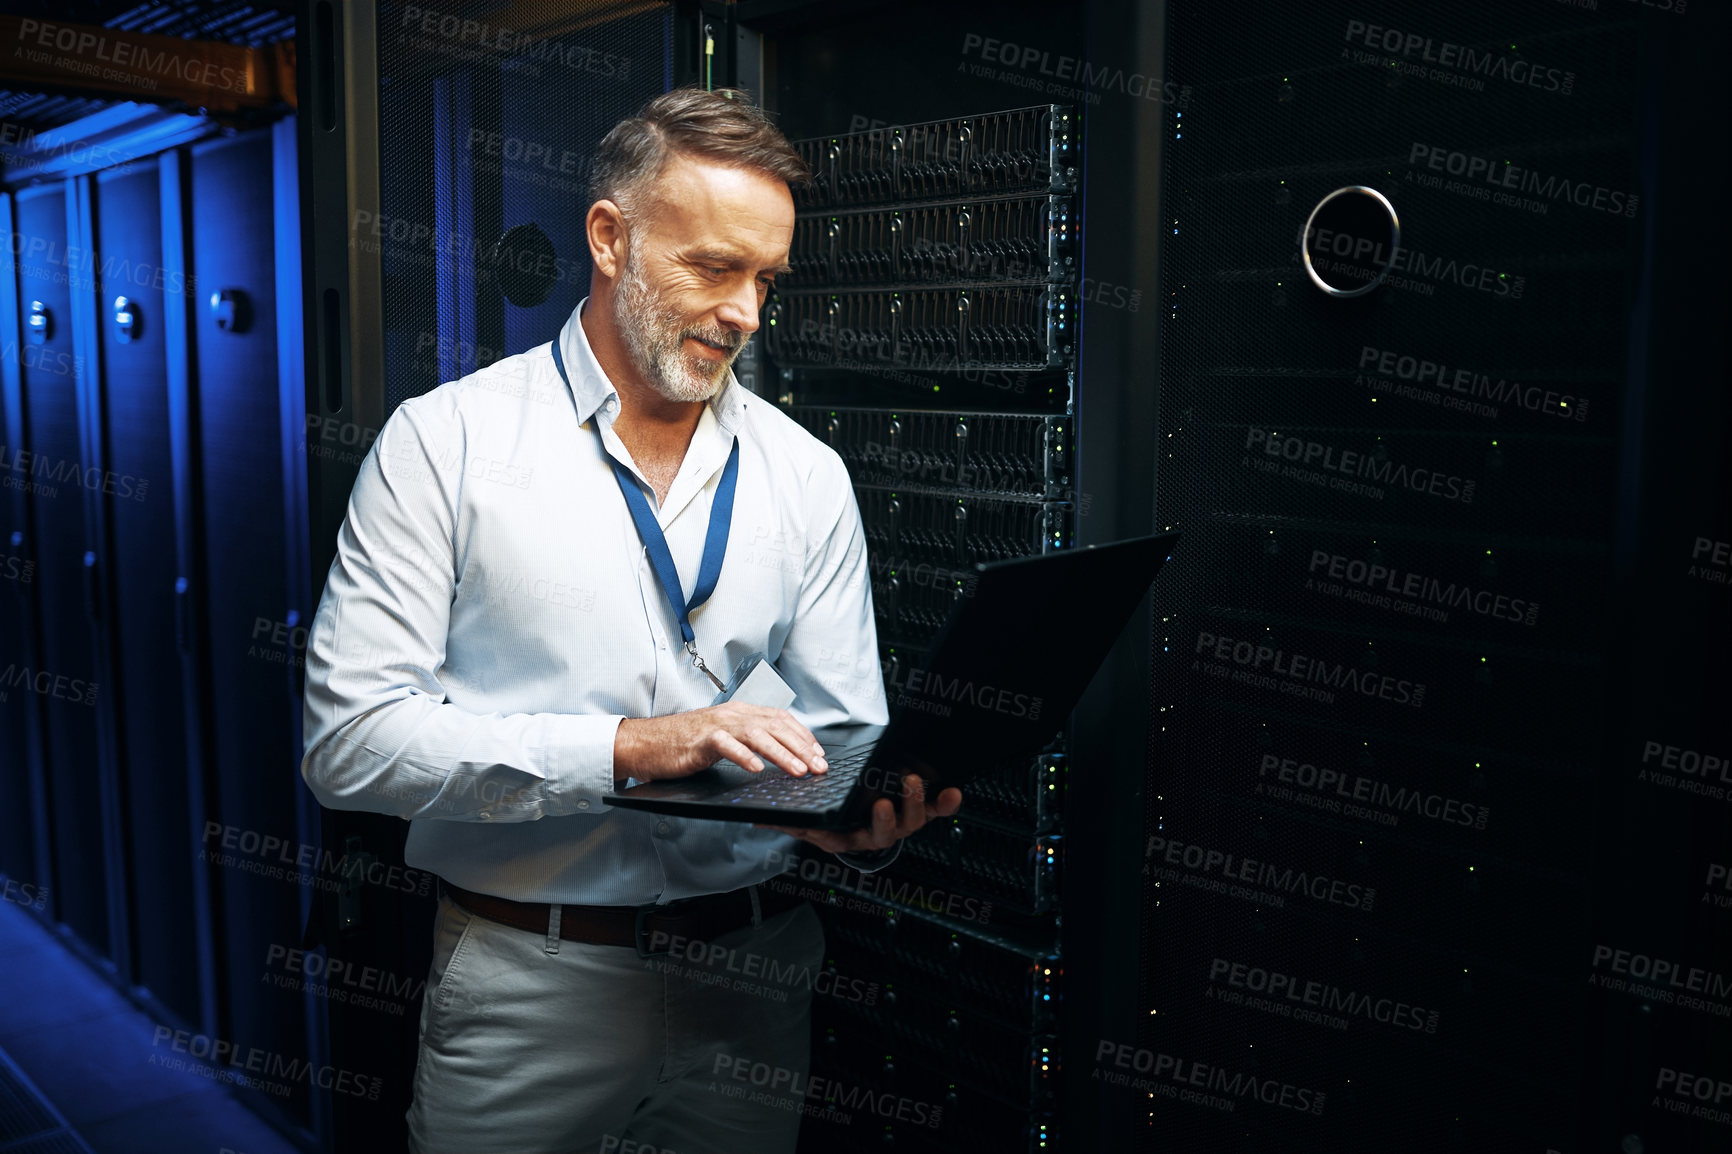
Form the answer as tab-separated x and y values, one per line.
637	931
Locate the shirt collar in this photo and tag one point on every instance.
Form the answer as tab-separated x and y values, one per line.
591	389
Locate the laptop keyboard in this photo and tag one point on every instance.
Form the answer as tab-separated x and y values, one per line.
814	791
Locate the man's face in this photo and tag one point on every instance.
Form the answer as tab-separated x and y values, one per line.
707	245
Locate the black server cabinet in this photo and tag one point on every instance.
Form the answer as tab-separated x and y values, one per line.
238	454
948	331
1431	669
138	430
56	537
151	513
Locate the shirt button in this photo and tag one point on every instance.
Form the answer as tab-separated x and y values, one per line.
485	815
661	829
583	803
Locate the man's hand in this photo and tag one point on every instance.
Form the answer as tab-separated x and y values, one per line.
680	744
886	829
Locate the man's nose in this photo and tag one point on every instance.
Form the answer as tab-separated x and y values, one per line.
740	309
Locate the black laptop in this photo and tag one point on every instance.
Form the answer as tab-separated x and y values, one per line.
998	685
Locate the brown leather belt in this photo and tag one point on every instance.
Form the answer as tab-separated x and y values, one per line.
701	919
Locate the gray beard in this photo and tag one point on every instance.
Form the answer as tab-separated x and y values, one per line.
653	334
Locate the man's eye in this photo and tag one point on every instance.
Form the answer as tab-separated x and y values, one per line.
714	270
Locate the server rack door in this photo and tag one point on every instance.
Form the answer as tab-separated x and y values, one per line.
18	575
53	477
22	853
542	185
151	707
252	767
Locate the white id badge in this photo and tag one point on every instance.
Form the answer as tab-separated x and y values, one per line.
756	682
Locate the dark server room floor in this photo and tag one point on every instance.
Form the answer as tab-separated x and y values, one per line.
61	1030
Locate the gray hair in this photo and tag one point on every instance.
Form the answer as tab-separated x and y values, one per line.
721	125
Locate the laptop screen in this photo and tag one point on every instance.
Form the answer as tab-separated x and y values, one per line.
1019	649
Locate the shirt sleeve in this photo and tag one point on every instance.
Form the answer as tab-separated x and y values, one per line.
379	732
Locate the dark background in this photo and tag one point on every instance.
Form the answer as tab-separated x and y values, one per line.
1470	966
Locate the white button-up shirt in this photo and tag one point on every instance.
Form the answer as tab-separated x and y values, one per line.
491	616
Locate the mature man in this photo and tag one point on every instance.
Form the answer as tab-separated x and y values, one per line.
495	650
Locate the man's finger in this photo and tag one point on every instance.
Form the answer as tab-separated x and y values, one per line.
802	743
736	751
788	728
761	740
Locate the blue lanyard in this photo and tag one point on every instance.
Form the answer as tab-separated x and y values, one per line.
649	531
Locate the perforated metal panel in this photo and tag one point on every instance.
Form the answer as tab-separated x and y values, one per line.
1374	690
487	124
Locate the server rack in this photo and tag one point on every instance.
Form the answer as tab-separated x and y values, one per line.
928	335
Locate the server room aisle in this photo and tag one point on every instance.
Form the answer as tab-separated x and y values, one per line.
62	1086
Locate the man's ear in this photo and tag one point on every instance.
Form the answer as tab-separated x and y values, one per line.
605	230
